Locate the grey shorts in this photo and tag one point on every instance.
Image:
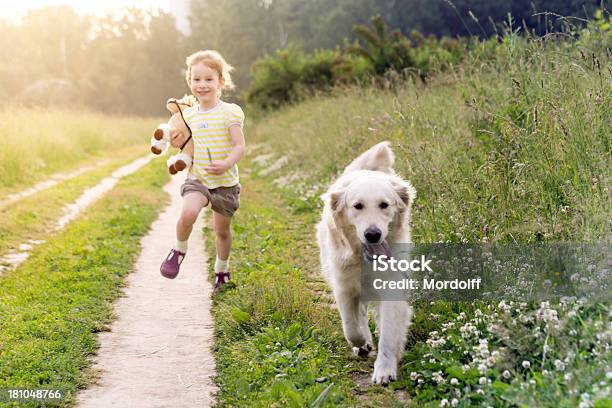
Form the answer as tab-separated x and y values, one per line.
223	200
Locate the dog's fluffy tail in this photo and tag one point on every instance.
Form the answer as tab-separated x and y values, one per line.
378	158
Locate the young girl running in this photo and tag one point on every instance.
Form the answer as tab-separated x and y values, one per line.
213	178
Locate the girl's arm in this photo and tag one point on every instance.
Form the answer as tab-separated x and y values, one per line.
221	166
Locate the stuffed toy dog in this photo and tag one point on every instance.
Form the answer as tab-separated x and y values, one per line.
161	136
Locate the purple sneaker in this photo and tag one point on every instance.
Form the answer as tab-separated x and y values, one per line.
221	278
170	267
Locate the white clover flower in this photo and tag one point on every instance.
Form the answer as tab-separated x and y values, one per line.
454	402
559	365
444	403
438	378
466	367
482	368
567	377
526	364
482	380
454	381
506	374
479	391
414	376
432	360
504	306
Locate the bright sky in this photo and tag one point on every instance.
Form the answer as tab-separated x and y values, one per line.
13	10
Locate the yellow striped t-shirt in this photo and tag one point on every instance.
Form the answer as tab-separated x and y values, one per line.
211	131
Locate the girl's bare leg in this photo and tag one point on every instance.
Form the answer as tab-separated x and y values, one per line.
223	235
192	205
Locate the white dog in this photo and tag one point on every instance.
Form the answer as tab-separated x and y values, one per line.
365	210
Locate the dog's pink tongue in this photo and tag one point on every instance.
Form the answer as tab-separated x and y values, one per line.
382	248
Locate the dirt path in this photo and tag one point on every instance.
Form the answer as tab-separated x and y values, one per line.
158	352
71	211
50	182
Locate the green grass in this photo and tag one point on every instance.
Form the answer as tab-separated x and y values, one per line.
52	306
38	142
26	219
514	147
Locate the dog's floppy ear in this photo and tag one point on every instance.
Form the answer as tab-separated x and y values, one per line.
336	200
377	158
405	192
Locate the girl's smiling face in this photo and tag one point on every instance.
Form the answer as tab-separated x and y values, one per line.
205	84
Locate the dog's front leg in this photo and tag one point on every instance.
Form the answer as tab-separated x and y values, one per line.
355	322
394	319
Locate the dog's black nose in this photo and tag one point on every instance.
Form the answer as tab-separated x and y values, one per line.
372	235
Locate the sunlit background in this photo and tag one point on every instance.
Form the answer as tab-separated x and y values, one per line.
128	56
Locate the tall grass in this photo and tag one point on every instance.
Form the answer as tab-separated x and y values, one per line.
38	142
513	145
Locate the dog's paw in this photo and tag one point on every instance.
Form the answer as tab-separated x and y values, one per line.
362	351
384	373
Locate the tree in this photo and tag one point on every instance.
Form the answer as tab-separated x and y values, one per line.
382	49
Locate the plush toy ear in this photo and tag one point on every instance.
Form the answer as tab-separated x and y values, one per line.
171	105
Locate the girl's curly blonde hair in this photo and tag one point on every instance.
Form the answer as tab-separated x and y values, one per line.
213	60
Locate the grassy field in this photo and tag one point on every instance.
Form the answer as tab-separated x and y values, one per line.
52	306
514	147
38	143
26	219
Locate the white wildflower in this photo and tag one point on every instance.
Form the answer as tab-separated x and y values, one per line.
454	381
526	364
506	374
482	380
559	365
414	376
454	402
504	306
438	378
444	403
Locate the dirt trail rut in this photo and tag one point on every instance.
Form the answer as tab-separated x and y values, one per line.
158	352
